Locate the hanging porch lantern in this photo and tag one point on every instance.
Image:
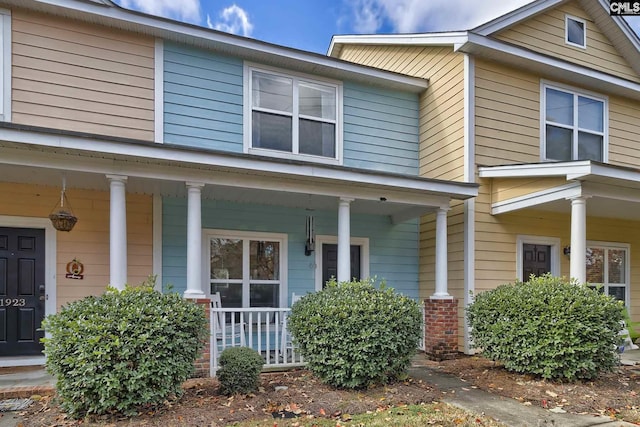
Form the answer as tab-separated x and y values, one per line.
62	216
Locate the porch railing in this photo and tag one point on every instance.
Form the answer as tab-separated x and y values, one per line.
263	329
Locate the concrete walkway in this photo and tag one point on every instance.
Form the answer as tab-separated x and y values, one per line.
509	411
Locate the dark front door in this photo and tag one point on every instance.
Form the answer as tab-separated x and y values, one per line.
536	260
330	262
22	259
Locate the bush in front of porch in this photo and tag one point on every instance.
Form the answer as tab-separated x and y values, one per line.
353	334
549	327
122	350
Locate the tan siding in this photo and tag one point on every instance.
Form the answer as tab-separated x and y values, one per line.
507	115
81	77
441	107
503	189
89	240
545	33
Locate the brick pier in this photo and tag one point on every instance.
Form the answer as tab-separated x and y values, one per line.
441	328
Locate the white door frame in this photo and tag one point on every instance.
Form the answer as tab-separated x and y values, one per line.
49	276
363	242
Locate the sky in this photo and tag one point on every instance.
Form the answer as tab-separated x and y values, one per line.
309	24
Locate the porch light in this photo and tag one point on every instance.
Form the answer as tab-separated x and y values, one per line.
311	236
62	217
567	250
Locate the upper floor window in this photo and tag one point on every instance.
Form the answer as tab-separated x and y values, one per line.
574	125
575	31
292	116
5	65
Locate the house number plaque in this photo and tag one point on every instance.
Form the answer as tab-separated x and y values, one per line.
75	270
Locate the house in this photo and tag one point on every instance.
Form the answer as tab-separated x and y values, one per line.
218	163
539	107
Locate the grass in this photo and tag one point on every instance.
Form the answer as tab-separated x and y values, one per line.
438	414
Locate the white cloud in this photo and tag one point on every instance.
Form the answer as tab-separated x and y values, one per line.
410	16
232	19
183	10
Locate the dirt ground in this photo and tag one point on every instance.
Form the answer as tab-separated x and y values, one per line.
298	392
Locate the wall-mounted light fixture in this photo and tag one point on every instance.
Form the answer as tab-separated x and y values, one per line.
309	245
567	250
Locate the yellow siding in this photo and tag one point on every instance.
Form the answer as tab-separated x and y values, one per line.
89	240
507	188
81	77
545	33
441	107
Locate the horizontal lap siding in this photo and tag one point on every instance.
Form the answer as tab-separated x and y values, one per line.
202	99
545	33
393	248
508	188
380	129
88	242
624	132
81	77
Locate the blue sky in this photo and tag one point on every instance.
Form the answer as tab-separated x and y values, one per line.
309	24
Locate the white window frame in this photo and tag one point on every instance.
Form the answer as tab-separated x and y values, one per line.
363	242
246	236
5	65
544	85
627	270
554	242
568	18
249	68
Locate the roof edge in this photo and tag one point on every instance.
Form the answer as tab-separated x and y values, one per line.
413	39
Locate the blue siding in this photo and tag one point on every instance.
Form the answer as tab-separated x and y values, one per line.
393	248
381	129
202	99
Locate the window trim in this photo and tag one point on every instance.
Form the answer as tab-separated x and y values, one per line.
282	238
575	92
627	269
247	111
554	242
568	17
5	65
363	242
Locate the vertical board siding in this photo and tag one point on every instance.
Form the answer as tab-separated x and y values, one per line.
393	248
545	33
441	120
82	77
202	99
89	240
380	129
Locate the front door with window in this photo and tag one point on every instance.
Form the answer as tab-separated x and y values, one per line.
536	260
330	262
22	291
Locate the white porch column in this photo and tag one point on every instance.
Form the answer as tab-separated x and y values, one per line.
117	231
441	255
194	241
578	256
344	240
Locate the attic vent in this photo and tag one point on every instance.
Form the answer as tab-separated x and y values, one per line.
575	31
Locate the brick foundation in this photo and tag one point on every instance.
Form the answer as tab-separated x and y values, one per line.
203	363
441	328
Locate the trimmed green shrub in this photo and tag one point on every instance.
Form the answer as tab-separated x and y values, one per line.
122	350
239	371
548	327
353	335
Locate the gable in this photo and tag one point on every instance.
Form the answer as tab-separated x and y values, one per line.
545	33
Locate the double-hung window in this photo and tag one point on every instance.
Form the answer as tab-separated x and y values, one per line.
292	116
247	269
608	269
574	125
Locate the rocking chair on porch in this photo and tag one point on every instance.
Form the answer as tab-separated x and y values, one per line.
226	335
286	340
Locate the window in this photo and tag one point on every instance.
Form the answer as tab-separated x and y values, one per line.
575	31
5	65
247	270
292	116
607	267
574	125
